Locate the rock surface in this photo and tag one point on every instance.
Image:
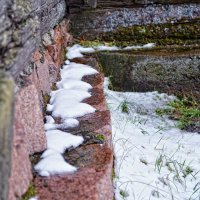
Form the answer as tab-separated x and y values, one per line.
22	25
103	23
6	130
165	70
29	128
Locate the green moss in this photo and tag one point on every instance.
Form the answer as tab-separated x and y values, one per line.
54	87
46	99
162	34
94	43
35	158
186	111
101	137
31	192
113	173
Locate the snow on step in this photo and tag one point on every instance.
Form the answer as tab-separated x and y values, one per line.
73	84
60	141
65	95
66	123
77	51
66	103
153	159
76	71
72	110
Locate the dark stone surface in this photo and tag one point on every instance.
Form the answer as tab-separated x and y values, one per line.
132	3
6	115
22	24
166	70
93	24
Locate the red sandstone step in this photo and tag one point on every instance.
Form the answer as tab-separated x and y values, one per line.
94	158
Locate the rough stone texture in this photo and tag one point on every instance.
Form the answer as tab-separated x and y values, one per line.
97	99
174	71
93	24
30	128
46	61
98	123
21	172
87	184
94	157
132	3
22	25
28	138
6	117
76	6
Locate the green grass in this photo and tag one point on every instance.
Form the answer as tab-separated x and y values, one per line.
124	107
124	194
161	112
185	110
188	170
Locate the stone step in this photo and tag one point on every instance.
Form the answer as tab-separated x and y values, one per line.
171	70
94	158
141	24
131	3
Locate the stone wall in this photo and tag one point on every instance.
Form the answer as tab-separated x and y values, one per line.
33	39
22	25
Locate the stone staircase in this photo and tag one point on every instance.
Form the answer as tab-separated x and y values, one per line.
32	56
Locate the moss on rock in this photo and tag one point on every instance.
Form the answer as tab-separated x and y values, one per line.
162	34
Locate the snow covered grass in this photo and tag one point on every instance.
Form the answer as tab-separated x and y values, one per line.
66	104
154	159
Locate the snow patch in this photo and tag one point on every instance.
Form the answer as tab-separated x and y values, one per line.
33	198
77	50
76	71
65	95
136	47
60	141
107	48
73	84
53	164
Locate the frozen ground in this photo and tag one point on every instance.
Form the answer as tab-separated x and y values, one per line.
154	159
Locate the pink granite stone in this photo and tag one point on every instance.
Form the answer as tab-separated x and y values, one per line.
29	126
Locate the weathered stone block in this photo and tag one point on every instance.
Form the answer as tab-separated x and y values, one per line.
6	119
166	70
23	23
96	24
